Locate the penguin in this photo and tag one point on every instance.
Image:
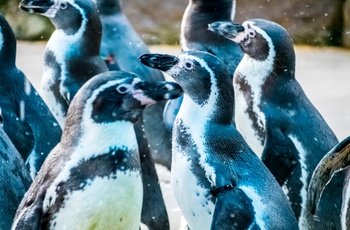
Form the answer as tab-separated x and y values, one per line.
122	42
217	180
14	178
277	119
335	160
72	57
97	154
72	54
26	118
194	36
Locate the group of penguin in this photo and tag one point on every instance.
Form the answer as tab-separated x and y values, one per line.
245	146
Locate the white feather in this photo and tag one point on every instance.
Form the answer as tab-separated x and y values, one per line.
255	73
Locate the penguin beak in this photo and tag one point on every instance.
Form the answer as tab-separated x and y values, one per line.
228	29
163	62
151	92
36	6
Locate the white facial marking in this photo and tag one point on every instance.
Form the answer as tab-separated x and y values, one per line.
303	224
255	73
193	205
1	39
258	204
60	44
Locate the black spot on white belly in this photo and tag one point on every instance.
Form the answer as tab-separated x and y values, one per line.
81	175
185	140
248	97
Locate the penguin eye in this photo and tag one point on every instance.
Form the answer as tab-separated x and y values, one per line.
63	5
122	89
251	34
189	65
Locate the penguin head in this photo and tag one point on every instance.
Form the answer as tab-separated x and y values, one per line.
67	15
117	95
202	76
7	43
260	39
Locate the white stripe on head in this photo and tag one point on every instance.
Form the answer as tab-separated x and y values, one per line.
1	39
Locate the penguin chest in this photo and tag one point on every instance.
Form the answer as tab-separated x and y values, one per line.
102	203
250	120
191	186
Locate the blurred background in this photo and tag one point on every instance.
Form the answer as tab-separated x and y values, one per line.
311	22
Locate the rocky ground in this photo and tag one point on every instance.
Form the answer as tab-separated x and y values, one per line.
324	74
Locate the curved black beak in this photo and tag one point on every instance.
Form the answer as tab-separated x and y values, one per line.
161	90
35	6
163	62
227	29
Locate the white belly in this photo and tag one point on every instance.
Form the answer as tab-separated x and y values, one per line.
103	204
195	207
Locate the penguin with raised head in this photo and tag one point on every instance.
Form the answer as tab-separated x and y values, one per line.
334	161
121	43
72	57
72	54
277	119
14	180
92	178
217	180
26	119
194	36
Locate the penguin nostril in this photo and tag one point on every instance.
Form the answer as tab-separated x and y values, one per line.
63	5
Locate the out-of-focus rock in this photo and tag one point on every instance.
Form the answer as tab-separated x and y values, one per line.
346	28
157	21
26	26
313	22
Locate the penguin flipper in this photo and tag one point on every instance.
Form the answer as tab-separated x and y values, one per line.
233	210
335	160
280	155
170	111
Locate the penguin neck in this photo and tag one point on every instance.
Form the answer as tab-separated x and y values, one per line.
217	109
86	38
7	48
109	7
